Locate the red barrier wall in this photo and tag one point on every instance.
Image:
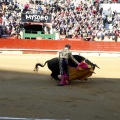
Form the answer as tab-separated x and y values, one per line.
59	44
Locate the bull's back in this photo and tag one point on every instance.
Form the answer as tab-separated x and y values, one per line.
53	64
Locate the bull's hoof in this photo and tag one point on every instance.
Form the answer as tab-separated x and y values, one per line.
86	79
57	79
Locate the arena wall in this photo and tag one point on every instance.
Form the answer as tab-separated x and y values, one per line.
38	46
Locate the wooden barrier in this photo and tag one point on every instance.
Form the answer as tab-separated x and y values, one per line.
59	44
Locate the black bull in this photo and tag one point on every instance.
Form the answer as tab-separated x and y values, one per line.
53	65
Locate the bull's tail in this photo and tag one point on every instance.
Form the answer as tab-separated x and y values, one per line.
39	64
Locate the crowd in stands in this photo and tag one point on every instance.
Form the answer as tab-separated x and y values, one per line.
10	19
70	18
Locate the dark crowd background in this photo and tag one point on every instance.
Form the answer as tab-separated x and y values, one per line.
70	18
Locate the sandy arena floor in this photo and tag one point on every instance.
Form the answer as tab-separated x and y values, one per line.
25	94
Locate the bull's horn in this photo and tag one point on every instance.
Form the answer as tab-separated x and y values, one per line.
97	66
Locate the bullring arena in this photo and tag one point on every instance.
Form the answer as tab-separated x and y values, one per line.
25	94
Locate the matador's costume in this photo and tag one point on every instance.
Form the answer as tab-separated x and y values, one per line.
64	55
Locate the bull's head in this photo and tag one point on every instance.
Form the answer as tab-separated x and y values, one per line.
94	65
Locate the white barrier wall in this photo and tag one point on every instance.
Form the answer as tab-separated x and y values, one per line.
10	52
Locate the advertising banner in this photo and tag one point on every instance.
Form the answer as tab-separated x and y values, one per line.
42	18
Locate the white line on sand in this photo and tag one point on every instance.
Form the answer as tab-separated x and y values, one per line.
12	118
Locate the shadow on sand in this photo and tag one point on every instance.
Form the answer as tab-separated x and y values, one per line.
31	95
